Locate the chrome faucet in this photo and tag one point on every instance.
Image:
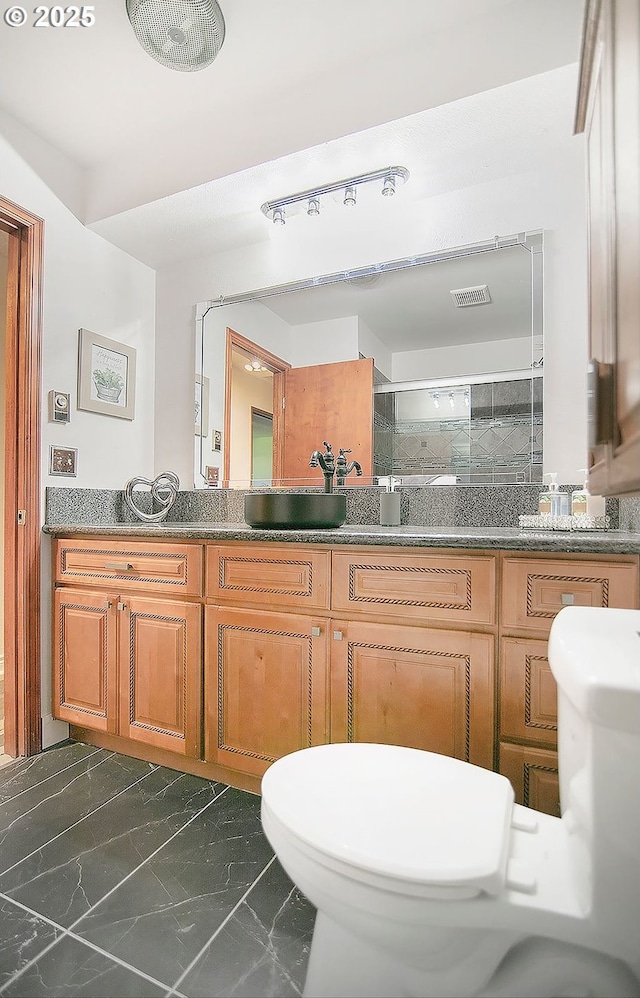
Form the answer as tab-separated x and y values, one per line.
343	469
327	462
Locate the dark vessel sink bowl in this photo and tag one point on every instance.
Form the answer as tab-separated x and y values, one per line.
295	510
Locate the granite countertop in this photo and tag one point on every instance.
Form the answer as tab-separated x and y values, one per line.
506	538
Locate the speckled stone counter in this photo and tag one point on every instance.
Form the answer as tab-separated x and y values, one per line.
492	538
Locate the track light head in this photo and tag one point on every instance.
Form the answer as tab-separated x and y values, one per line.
349	195
389	186
313	208
278	216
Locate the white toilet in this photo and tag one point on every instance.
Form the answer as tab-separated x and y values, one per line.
430	881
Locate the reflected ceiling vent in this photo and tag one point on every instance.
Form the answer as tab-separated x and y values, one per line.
471	296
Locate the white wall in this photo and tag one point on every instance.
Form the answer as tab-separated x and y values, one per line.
329	341
87	283
551	198
472	358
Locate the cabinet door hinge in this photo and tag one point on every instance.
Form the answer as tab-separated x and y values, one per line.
22	517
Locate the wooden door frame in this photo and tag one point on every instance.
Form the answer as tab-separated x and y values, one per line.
278	366
23	350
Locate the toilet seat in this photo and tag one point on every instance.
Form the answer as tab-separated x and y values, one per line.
398	813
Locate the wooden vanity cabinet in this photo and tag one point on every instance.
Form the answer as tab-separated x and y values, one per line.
123	663
534	589
360	664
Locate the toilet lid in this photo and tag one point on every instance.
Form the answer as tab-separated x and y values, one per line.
396	811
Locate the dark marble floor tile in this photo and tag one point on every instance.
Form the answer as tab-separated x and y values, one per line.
71	969
25	773
263	949
69	875
33	818
22	937
162	916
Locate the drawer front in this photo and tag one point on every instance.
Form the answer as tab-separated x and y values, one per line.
133	565
424	587
533	773
534	591
267	576
528	692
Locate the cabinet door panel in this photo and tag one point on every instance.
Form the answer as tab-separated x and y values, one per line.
160	647
535	590
449	588
426	689
265	687
528	692
84	657
171	568
274	576
533	773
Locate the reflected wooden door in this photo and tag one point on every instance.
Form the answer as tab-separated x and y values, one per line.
332	402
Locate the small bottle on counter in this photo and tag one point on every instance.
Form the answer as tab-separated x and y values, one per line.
389	502
583	503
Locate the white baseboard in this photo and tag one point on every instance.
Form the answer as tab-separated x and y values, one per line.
53	731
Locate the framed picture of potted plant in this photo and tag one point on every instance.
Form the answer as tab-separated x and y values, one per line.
106	375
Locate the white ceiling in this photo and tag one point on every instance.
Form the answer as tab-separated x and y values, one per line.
173	165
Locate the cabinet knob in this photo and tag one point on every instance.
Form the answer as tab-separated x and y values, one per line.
118	566
316	632
122	606
567	599
337	635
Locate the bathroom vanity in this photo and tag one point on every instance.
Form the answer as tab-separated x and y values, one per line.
216	649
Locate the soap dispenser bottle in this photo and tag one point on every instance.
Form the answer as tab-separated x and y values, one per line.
389	503
583	503
545	502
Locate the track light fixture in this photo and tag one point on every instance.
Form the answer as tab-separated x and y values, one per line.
310	201
350	195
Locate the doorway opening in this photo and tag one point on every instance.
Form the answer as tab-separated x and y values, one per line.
253	384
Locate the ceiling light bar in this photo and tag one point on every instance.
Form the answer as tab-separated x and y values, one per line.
389	177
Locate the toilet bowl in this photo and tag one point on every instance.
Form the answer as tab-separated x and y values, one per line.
430	880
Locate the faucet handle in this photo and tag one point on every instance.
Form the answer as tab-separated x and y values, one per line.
344	450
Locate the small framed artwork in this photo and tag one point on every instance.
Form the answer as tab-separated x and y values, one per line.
212	475
201	406
106	376
63	461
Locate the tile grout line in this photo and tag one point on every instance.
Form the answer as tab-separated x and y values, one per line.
79	820
173	991
57	773
69	931
85	942
146	860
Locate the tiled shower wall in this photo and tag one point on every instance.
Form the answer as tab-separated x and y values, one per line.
486	433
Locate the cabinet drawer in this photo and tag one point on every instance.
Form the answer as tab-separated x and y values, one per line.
528	692
535	590
133	565
265	575
533	773
420	586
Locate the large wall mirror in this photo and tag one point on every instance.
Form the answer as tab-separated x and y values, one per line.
418	368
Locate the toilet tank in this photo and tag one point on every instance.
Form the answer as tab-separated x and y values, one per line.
594	655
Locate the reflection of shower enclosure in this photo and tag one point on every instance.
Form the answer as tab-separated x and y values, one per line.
485	431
